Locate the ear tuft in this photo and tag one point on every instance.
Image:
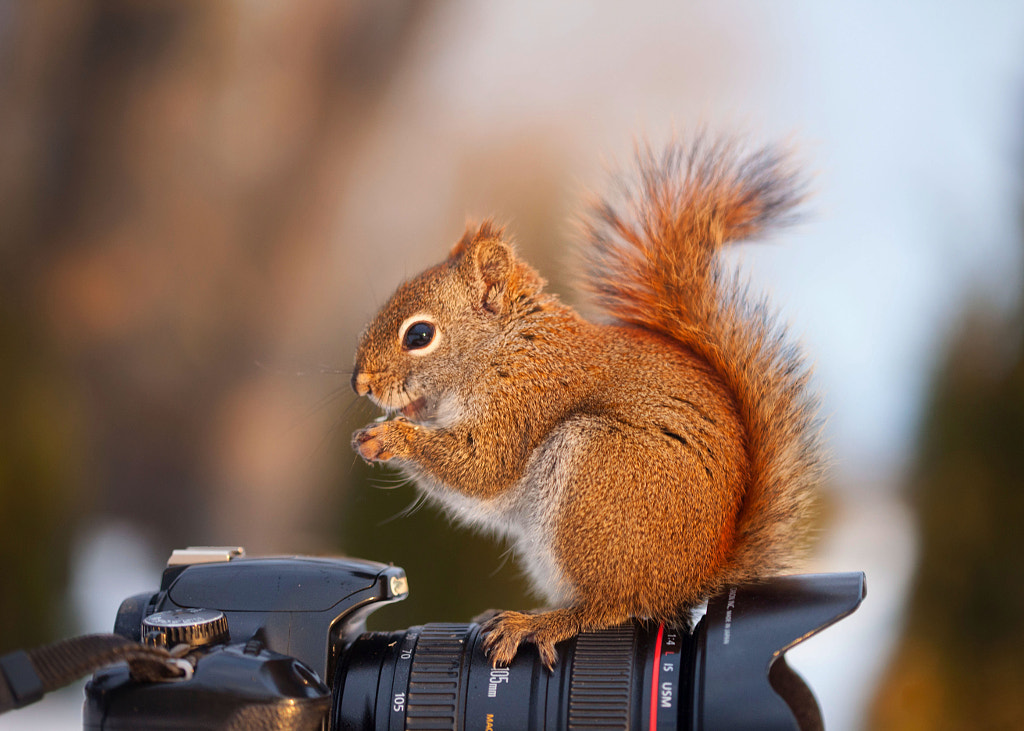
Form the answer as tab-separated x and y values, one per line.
489	230
474	235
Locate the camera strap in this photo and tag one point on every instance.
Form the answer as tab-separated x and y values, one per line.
26	675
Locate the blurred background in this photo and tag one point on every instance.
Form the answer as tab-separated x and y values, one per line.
201	204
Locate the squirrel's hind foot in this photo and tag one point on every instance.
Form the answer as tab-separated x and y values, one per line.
506	631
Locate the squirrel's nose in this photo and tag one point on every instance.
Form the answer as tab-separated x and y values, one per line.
360	383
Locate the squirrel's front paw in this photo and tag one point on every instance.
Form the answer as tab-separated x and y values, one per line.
381	442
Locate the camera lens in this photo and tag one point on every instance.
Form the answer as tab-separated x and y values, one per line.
437	677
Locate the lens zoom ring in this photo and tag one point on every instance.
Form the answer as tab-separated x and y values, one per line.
600	690
434	677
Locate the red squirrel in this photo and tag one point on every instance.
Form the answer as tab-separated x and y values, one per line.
639	464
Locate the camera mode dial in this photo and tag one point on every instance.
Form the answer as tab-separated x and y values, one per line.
192	627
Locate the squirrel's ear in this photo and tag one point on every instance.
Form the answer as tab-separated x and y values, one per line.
489	264
492	264
474	235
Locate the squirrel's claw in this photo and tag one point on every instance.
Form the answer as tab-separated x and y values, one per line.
370	443
507	630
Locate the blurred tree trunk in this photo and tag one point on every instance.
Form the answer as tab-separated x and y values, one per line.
961	661
169	172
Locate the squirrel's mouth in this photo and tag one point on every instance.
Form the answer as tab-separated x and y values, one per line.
415	410
398	401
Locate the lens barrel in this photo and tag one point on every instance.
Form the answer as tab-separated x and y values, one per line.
730	672
437	676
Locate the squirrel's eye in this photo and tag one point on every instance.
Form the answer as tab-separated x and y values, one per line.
418	336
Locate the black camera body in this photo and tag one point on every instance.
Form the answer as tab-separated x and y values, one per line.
280	643
287	620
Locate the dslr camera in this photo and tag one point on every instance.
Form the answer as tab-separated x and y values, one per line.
281	643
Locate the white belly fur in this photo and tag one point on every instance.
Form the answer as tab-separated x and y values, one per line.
525	515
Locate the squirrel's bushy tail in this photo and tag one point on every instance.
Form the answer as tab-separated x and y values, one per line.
652	258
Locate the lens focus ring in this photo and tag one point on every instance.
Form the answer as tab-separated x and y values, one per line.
434	677
601	688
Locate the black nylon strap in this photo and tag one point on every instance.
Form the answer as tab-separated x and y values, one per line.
23	684
26	675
